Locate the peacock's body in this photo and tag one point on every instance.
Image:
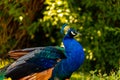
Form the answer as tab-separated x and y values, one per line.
37	60
56	62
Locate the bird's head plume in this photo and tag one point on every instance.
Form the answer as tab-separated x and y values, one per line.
68	31
65	28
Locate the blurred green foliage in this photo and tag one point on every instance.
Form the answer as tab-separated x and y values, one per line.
101	32
29	23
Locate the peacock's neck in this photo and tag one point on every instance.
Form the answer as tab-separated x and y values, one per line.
72	46
73	49
74	53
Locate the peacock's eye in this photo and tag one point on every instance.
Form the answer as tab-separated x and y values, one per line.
73	33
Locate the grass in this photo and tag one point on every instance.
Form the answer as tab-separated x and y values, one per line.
93	76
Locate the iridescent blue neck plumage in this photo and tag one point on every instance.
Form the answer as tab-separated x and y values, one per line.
74	57
73	47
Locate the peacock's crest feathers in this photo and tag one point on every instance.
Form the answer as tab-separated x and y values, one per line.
65	28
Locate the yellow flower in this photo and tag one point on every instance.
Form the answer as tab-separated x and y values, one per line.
8	79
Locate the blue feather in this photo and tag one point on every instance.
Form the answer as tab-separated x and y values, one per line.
75	58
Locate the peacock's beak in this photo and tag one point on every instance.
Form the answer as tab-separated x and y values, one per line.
79	33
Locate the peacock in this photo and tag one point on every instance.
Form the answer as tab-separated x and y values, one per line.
47	63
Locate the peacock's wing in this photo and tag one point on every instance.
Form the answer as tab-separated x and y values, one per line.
36	61
15	54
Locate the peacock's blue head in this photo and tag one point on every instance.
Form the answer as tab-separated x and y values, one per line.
69	32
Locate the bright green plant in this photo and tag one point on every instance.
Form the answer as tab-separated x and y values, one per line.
98	21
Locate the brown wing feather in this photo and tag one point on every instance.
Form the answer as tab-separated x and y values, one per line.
45	75
15	54
18	54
